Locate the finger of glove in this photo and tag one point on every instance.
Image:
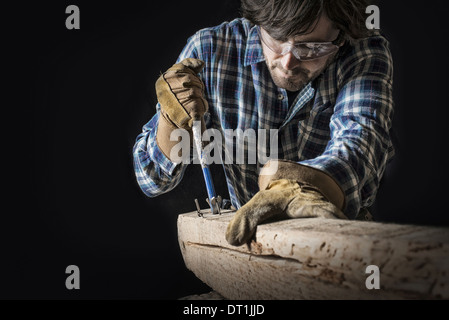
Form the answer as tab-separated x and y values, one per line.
194	64
311	204
189	105
184	66
188	90
192	100
179	80
282	184
264	205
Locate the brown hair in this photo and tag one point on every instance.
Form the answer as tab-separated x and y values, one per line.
283	19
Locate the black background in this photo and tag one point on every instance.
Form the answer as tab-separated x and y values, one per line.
75	100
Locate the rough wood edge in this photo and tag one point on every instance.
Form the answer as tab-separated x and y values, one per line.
413	260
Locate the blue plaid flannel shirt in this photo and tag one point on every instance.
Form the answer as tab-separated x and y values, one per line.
338	123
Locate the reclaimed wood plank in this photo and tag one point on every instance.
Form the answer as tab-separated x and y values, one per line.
317	259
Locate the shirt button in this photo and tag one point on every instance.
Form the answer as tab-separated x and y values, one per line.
280	97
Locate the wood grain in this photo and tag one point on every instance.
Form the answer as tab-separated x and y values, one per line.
317	259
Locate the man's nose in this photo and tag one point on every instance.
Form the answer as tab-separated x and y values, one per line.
289	61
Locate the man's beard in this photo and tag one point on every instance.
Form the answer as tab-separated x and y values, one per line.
294	82
297	78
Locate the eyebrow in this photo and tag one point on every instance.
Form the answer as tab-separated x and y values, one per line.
303	35
311	39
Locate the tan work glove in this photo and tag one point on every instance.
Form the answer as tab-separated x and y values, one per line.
180	93
286	198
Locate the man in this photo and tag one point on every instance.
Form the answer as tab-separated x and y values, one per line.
309	69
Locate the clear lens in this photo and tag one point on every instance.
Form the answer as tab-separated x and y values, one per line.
302	51
310	51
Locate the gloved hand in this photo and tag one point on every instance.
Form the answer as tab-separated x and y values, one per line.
180	94
286	198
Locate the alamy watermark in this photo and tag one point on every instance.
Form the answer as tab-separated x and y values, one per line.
373	21
373	280
73	280
73	20
249	146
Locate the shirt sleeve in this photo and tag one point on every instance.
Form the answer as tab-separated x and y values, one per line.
155	173
360	145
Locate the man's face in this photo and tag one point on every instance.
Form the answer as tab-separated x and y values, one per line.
292	74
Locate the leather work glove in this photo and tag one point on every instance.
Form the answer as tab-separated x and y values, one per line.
301	194
180	93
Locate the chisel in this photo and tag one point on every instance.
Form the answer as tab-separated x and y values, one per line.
213	199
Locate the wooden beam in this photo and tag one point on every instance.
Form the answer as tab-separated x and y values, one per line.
317	259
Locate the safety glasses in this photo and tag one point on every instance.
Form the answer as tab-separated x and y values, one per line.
304	51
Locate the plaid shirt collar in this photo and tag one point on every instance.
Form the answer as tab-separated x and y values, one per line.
254	52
